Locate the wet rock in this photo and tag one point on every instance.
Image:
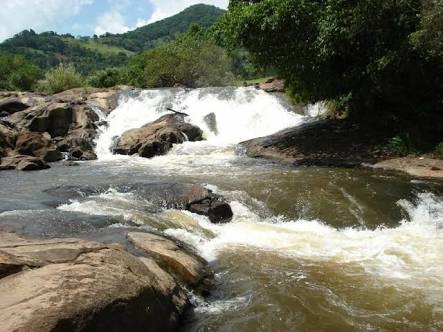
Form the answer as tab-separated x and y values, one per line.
73	285
211	122
188	267
217	211
415	166
157	138
23	163
170	195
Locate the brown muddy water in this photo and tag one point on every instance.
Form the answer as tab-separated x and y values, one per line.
309	249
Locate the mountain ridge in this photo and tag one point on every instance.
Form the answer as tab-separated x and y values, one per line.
90	54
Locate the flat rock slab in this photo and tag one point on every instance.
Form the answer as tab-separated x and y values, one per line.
419	167
73	285
186	266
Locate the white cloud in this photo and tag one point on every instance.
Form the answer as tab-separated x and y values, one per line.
112	22
17	15
166	8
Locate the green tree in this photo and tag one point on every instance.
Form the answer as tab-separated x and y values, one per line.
16	73
359	50
193	60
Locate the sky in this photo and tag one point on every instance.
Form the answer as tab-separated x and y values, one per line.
87	17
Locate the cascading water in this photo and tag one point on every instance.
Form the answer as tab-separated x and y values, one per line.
239	114
308	249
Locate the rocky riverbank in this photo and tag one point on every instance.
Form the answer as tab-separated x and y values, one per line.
38	129
53	277
338	143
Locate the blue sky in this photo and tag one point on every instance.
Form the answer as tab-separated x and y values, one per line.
87	17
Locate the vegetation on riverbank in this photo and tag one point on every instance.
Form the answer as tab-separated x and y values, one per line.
381	61
375	62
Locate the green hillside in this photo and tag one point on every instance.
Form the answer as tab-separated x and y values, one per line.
151	35
89	54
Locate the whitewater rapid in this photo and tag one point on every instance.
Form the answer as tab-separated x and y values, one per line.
240	114
408	256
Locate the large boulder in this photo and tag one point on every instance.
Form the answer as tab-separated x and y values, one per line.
186	266
75	285
37	145
23	163
156	138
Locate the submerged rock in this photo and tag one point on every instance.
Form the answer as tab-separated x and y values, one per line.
156	138
169	195
211	121
75	285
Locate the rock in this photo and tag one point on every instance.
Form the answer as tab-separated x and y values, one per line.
188	267
75	285
273	85
211	122
23	163
157	138
335	143
37	145
169	195
217	211
7	138
415	166
11	105
34	164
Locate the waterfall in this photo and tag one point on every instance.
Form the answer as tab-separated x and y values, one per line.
239	114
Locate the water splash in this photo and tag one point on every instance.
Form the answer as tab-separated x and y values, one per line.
240	114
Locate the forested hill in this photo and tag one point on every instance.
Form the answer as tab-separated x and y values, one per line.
151	35
89	54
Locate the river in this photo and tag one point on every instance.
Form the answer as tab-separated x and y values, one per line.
308	249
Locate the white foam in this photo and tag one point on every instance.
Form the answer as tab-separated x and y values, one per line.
241	114
413	251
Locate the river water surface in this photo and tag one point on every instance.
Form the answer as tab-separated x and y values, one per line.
309	249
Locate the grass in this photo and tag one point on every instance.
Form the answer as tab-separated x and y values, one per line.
95	46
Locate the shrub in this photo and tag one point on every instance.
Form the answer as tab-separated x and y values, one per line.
399	145
61	78
17	73
107	78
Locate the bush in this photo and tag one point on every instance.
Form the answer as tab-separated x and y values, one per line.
61	78
108	78
193	60
399	146
17	73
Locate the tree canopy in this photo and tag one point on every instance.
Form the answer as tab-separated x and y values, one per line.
379	55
